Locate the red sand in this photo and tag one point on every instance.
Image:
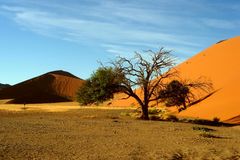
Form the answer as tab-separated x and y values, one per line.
57	86
219	63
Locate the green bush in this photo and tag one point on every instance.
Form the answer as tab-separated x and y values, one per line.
99	87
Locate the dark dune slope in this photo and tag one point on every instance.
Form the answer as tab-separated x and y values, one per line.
56	86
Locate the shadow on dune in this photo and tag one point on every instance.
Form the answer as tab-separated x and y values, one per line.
203	98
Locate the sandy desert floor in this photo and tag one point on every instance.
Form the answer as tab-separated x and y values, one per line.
100	133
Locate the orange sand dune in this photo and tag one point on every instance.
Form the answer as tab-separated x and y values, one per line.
57	86
220	64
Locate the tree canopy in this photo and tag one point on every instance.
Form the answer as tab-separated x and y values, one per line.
99	87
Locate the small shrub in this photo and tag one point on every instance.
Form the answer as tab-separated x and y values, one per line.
132	114
158	113
205	122
178	156
209	135
124	114
204	129
216	120
153	111
155	118
172	118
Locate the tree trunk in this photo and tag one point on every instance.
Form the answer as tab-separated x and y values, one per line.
145	113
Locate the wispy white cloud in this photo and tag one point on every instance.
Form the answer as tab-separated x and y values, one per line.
131	25
77	27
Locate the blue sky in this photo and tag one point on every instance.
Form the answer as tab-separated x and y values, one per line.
41	36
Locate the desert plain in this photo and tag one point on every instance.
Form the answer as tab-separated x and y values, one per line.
37	131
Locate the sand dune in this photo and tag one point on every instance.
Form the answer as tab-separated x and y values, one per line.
219	64
56	86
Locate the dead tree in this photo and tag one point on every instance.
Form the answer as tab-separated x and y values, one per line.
148	72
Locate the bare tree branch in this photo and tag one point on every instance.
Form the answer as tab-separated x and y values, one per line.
147	73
